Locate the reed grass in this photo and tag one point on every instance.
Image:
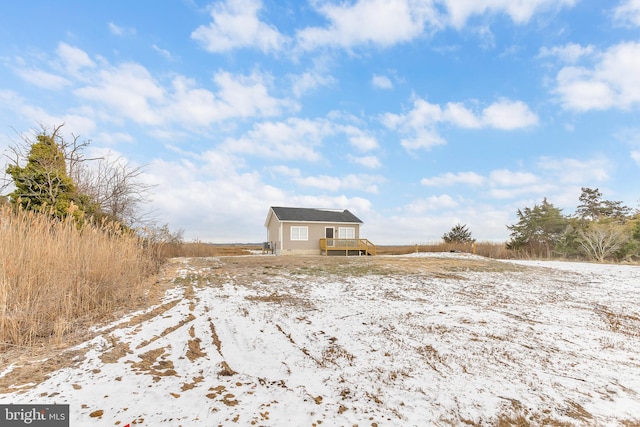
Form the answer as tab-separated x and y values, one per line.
486	249
55	276
199	249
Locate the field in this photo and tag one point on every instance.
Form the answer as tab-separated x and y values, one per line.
438	339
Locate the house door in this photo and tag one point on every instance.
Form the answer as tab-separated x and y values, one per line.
328	233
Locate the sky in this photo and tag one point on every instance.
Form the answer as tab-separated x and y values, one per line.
415	115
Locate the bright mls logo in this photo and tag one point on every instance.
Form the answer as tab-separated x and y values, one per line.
34	415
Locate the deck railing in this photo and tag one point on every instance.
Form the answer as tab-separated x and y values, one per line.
347	245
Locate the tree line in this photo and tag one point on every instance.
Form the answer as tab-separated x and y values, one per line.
598	230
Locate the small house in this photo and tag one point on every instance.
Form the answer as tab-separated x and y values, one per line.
306	231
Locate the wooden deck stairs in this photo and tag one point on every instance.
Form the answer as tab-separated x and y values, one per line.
347	246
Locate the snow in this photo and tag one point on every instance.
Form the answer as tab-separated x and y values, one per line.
545	342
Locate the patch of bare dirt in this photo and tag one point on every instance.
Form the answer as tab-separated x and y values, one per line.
118	350
29	372
149	364
194	351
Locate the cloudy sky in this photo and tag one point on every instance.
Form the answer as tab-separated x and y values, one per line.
413	114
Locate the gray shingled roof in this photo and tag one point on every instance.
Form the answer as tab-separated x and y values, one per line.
319	215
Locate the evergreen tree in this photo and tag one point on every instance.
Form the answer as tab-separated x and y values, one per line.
631	248
593	208
458	234
539	229
590	207
43	183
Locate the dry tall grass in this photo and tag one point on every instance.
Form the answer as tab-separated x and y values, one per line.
199	249
54	275
486	249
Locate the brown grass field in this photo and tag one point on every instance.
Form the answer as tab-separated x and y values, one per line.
264	280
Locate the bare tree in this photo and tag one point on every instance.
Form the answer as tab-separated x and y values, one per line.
600	241
116	187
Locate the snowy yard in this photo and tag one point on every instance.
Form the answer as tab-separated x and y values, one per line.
439	339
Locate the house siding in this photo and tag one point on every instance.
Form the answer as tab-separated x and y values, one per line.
273	233
316	232
279	233
286	246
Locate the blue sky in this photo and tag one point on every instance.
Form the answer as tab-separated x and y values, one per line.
413	114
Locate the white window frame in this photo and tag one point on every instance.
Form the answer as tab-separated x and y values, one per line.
299	233
346	233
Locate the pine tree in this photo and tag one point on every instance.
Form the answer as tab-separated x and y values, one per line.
593	208
458	234
538	229
43	183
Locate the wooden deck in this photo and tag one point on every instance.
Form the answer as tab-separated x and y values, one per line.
348	246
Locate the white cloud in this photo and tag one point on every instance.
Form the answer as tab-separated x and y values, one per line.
574	171
499	184
246	96
378	22
44	79
420	123
357	205
163	52
371	162
460	115
189	193
502	193
520	11
382	23
422	139
381	82
385	23
195	105
73	58
286	171
507	178
236	25
129	90
291	139
307	82
359	139
80	125
297	138
569	53
611	83
361	182
433	203
508	115
631	137
120	31
449	178
627	13
114	138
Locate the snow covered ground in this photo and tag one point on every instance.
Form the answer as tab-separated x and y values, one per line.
426	339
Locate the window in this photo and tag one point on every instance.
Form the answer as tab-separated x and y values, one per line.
299	233
346	233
